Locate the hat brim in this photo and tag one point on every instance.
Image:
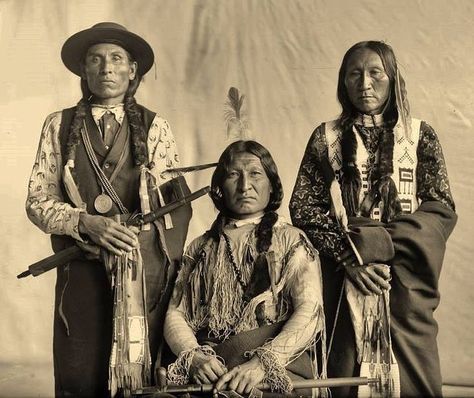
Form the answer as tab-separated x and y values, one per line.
75	48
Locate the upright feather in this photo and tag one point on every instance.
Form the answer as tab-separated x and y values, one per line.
237	125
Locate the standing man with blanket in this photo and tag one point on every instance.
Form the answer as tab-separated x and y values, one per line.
373	196
97	163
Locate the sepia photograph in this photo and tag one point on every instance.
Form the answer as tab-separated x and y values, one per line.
239	198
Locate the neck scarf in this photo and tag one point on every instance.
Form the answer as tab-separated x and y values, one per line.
98	111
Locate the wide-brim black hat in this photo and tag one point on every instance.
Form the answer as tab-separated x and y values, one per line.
75	48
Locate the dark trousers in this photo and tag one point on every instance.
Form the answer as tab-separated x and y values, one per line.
84	315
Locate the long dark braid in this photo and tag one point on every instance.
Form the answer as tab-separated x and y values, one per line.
74	136
385	188
260	280
264	231
350	180
139	135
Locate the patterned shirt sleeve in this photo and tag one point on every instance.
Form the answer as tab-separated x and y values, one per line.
45	204
162	151
310	203
431	173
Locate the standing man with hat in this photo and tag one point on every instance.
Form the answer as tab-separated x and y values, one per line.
96	164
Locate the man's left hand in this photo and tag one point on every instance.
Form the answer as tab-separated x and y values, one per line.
242	378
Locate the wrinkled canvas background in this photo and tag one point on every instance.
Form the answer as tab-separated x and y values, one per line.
284	55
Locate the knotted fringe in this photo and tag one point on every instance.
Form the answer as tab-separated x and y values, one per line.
320	336
350	179
275	373
178	371
130	359
220	306
377	356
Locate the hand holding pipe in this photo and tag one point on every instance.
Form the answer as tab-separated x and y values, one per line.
74	252
297	384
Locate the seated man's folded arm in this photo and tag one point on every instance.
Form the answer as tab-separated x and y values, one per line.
178	333
307	320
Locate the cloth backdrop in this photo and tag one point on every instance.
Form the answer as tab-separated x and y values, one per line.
284	55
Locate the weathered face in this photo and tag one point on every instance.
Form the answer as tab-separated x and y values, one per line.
246	188
367	84
108	72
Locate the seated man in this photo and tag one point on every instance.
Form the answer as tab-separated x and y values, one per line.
248	299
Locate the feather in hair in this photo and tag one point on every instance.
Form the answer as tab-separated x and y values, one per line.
235	116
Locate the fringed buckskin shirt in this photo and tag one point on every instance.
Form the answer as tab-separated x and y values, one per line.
209	296
45	204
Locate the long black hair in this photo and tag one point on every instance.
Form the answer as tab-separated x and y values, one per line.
396	107
390	113
264	230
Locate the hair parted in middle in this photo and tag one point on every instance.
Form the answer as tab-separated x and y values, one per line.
268	164
264	230
394	105
395	110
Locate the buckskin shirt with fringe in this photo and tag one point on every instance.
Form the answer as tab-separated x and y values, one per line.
209	296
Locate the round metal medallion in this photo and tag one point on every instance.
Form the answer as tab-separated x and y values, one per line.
103	203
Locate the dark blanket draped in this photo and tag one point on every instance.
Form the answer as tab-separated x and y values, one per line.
419	240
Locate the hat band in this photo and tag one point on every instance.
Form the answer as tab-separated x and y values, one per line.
113	41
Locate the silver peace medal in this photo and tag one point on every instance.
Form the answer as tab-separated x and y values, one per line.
103	203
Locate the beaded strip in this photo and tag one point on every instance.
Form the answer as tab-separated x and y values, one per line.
237	271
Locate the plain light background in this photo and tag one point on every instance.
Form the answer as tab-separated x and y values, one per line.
284	55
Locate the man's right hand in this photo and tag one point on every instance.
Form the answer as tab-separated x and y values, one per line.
108	233
206	369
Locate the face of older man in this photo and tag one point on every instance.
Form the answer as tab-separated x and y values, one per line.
246	187
108	71
367	84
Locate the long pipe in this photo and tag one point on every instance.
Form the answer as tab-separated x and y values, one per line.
297	385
